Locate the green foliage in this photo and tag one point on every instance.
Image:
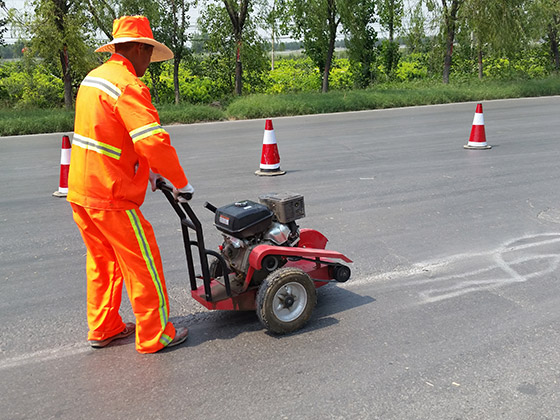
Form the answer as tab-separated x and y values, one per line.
411	70
361	38
316	22
57	29
389	58
26	84
221	45
192	88
289	75
505	69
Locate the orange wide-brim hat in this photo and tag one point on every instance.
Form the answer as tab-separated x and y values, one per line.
136	29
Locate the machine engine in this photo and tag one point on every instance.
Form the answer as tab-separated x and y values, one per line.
246	224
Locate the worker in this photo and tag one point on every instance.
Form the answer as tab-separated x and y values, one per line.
118	147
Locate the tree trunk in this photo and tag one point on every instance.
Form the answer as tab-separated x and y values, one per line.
238	23
176	63
154	91
328	63
480	67
447	59
553	38
391	57
333	26
67	78
238	73
450	18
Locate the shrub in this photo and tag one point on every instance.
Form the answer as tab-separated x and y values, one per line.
410	70
294	75
31	87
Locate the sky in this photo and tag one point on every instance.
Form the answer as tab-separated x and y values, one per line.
20	4
10	4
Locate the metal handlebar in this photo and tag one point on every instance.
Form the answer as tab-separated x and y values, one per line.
162	185
189	220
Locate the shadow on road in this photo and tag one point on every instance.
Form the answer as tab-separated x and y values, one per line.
226	325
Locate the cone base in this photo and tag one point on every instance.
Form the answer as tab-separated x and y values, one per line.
59	194
272	172
486	146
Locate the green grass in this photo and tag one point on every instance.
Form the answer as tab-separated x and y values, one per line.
188	114
19	122
388	96
33	121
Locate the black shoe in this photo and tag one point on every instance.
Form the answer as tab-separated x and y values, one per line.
181	335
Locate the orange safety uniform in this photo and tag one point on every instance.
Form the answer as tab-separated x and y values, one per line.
117	139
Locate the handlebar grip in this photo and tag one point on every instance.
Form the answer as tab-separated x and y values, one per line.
210	207
162	185
186	196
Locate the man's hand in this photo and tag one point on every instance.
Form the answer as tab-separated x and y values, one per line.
184	194
153	179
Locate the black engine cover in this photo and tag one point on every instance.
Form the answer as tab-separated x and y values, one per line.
243	219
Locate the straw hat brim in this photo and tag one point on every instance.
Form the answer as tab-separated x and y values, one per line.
160	53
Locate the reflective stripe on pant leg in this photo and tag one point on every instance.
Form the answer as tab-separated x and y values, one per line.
150	264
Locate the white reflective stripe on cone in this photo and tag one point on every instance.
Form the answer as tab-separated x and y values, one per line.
478	119
273	166
269	137
65	156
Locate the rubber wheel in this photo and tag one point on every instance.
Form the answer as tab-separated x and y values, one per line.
340	273
285	300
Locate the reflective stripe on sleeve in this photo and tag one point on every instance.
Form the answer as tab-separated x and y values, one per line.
96	146
104	85
150	264
146	131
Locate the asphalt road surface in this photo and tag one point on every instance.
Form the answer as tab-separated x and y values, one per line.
451	313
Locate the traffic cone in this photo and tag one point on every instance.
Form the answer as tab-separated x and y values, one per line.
478	135
270	158
64	168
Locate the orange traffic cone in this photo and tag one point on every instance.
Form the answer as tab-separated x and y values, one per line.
270	158
64	168
478	135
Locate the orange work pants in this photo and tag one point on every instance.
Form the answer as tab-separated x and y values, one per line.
121	245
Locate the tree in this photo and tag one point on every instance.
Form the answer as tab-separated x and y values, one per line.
358	19
317	23
226	50
390	17
495	24
173	32
415	34
58	37
449	13
545	24
238	15
3	23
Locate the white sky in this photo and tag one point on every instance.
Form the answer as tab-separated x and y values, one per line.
20	4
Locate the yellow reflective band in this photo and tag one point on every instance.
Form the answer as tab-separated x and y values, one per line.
146	131
165	339
150	264
96	146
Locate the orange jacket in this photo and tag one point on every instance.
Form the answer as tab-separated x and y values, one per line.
117	139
